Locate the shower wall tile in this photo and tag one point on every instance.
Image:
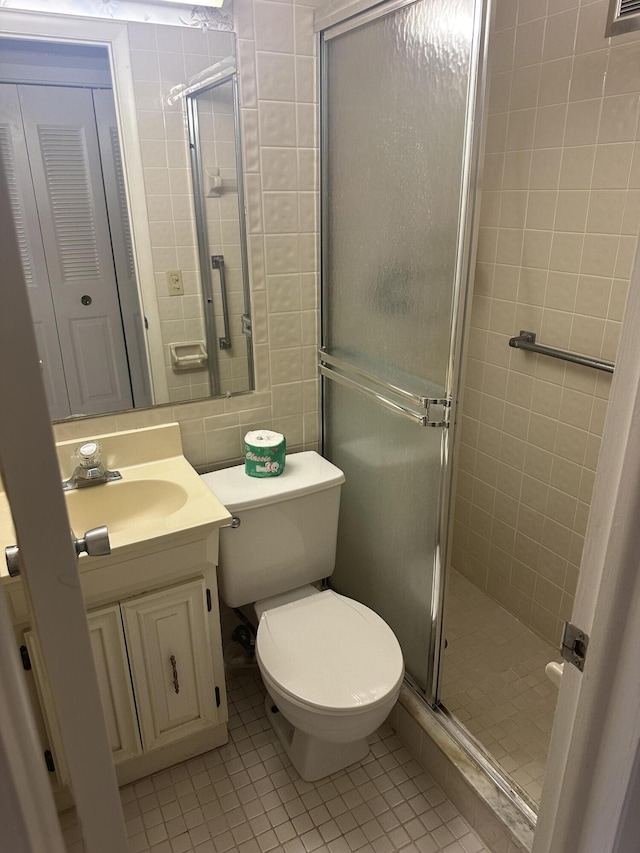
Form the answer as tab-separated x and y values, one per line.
558	233
276	49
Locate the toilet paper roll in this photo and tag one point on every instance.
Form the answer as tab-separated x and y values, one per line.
264	453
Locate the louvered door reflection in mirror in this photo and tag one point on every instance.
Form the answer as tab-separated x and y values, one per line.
53	153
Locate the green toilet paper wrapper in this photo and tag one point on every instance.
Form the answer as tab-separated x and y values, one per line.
264	453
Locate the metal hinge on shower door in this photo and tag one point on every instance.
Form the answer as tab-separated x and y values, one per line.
574	645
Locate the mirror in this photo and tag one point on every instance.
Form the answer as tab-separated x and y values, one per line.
110	336
216	170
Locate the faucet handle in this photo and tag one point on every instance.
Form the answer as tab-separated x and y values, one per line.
89	453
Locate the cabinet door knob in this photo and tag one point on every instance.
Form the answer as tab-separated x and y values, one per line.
174	669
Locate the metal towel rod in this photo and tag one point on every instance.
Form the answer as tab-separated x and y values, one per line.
527	340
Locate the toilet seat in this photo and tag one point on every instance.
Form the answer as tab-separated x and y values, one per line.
329	653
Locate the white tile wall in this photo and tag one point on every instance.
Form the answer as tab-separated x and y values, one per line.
559	225
277	57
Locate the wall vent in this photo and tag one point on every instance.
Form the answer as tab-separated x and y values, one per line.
623	17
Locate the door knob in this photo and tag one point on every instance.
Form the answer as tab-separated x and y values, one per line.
14	563
95	542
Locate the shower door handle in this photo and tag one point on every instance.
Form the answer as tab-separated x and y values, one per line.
383	392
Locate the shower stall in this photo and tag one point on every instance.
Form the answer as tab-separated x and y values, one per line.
404	104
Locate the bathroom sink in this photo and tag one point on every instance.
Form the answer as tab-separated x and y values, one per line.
160	502
124	504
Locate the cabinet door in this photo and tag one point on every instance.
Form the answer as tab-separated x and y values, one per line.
48	707
114	680
171	662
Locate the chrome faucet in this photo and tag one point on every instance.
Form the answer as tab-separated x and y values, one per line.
90	471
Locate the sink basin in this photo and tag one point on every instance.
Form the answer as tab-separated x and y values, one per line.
123	504
161	502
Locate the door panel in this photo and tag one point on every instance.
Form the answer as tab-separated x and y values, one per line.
387	535
396	115
170	653
65	162
114	681
395	106
25	216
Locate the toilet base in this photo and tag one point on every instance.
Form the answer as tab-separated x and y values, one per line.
313	758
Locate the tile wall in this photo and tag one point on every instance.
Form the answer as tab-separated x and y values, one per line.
276	52
218	157
162	57
559	225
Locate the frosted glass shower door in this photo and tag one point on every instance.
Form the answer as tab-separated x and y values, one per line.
395	110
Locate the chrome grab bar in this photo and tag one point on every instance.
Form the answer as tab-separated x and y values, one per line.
527	341
217	263
423	420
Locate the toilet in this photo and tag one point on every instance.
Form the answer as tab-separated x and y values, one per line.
332	667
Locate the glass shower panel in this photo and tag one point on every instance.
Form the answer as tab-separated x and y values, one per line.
397	96
386	542
396	103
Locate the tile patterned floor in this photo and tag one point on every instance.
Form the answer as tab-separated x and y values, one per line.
247	797
493	681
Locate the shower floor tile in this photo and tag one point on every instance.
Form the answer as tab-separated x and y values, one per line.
493	682
247	797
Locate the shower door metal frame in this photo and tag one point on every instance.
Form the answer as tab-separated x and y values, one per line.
206	260
475	131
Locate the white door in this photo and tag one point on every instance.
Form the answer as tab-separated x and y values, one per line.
64	156
592	785
31	477
171	662
13	154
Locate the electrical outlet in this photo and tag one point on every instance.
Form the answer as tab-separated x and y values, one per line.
174	283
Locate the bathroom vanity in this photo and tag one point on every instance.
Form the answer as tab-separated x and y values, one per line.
152	607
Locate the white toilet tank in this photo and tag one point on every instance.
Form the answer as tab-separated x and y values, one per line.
288	527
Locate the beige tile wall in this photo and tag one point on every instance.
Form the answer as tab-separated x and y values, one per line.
276	51
560	218
162	57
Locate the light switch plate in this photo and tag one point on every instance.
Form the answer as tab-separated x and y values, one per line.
174	283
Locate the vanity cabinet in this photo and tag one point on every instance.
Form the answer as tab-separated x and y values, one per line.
155	672
151	605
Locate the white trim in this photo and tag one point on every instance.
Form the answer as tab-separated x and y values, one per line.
51	579
591	775
114	37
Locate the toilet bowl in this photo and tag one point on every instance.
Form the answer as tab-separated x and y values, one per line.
331	666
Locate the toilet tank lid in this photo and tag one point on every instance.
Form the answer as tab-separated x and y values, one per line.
304	473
